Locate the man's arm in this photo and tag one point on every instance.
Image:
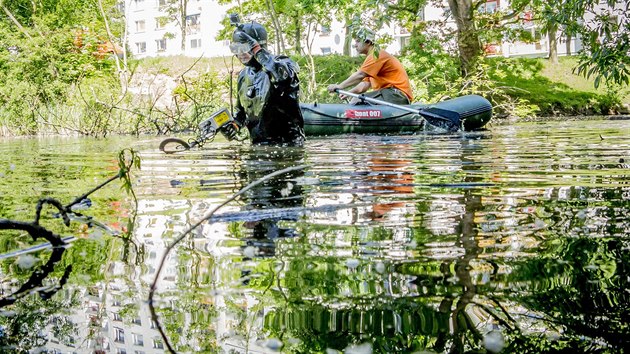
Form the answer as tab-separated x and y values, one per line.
363	86
279	70
354	79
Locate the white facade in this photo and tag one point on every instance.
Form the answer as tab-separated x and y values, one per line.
152	33
538	48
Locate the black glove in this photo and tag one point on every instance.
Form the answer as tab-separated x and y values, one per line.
230	130
242	37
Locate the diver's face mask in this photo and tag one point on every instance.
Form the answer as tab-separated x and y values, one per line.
243	52
240	48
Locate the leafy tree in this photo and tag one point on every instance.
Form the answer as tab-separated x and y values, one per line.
46	49
605	36
602	27
176	11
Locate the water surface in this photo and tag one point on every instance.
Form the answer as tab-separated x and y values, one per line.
515	238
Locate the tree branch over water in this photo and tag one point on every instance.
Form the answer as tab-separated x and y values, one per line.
36	231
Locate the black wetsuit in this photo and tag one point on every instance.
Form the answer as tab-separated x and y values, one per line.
267	100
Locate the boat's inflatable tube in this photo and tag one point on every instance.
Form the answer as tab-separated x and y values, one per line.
463	113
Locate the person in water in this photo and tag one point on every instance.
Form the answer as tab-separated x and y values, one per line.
383	73
267	102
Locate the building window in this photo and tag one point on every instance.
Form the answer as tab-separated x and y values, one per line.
140	25
161	45
192	23
404	42
121	351
489	7
157	344
161	3
195	43
421	14
326	50
119	335
161	22
141	47
324	31
138	340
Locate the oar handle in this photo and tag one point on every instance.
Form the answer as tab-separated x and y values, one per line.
365	98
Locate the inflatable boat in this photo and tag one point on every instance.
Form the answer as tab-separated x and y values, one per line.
466	113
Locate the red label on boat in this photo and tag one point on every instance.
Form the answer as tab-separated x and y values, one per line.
363	113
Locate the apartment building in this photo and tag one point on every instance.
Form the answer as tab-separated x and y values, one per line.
538	48
154	32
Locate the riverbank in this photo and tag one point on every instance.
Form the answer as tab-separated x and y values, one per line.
545	88
168	95
557	91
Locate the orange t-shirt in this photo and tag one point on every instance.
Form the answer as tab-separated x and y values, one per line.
386	71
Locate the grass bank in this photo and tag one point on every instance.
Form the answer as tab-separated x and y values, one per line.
556	90
553	89
171	94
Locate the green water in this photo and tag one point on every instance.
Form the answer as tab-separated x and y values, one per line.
512	239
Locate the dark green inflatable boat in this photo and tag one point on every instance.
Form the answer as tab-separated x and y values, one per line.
466	113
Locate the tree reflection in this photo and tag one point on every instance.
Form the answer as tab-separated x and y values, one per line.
570	295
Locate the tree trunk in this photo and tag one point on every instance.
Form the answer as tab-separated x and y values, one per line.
347	42
183	6
569	39
298	33
467	36
122	68
15	21
278	29
552	32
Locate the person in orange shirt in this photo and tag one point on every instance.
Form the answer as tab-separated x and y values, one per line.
383	73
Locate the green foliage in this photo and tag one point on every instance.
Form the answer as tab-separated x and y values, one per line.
128	158
40	60
23	330
329	69
605	36
522	79
607	62
435	75
430	68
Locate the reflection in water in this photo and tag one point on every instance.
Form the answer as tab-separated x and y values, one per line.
513	239
389	173
283	192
